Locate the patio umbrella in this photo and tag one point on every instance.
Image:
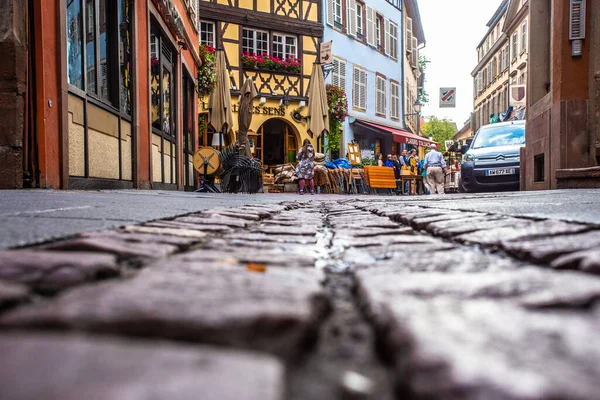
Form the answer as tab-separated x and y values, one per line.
248	93
318	114
219	103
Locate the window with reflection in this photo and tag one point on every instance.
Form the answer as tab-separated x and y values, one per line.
99	50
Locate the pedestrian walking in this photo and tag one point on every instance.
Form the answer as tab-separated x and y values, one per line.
380	160
306	166
436	167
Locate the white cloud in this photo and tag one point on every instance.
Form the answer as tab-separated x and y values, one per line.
453	29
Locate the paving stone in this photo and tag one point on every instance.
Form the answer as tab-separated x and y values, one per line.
398	253
406	218
12	294
299	230
585	261
118	247
51	271
446	227
278	311
446	346
365	223
528	285
422	222
244	255
262	237
188	226
36	366
458	227
535	229
385	240
545	250
212	219
292	248
142	234
234	214
361	232
185	237
444	260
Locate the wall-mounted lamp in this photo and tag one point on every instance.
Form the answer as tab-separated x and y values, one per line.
298	117
262	100
285	100
302	104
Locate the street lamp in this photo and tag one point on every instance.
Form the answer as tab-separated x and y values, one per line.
418	105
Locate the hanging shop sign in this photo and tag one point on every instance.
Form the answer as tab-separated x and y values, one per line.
172	16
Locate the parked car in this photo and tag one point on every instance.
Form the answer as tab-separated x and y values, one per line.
492	161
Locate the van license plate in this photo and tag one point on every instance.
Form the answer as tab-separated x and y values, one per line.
500	171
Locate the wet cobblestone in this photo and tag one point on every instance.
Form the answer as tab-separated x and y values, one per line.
305	300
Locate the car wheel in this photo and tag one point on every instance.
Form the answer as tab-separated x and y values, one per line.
461	189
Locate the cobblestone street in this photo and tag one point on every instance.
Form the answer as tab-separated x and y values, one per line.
326	298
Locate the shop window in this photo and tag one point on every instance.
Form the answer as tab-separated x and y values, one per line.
285	46
207	33
107	49
161	84
255	42
75	44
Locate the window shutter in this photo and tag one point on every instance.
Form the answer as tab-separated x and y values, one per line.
342	74
409	36
330	12
363	94
335	77
387	37
351	17
356	88
415	53
371	26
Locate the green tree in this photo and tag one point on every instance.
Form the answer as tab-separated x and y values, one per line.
439	129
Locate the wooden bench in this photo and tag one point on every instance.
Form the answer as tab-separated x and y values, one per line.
380	177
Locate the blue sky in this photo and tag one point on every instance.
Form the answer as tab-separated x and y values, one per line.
453	29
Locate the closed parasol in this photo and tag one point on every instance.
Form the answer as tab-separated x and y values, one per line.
318	109
247	95
220	115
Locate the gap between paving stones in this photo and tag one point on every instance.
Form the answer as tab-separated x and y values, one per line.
344	363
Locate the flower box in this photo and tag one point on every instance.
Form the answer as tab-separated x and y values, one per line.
270	63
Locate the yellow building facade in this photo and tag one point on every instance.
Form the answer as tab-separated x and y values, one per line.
286	36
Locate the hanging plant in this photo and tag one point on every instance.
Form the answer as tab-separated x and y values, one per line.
207	72
338	103
338	110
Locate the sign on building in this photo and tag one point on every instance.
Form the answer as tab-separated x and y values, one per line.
448	97
326	56
517	96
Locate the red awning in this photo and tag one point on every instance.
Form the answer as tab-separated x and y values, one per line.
400	136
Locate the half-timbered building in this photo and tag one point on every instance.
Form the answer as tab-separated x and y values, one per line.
274	42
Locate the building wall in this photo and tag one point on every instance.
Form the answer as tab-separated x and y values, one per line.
557	115
298	19
516	27
491	75
356	52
